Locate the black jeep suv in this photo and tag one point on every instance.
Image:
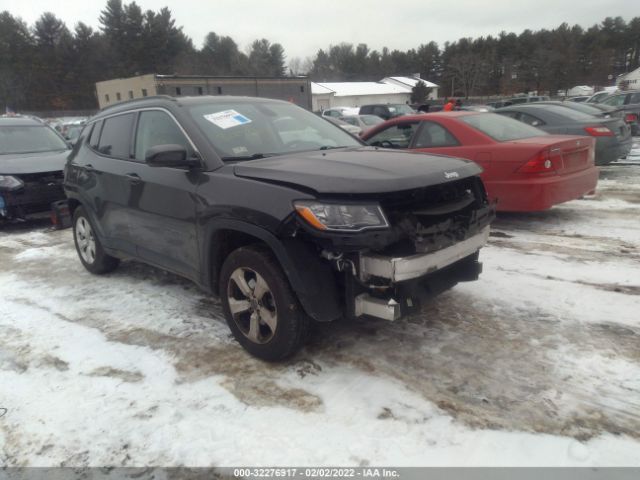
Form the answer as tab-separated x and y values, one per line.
284	215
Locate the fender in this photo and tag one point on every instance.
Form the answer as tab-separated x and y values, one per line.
312	280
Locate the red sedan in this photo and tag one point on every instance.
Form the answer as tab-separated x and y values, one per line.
525	169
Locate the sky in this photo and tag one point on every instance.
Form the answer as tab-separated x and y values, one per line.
304	26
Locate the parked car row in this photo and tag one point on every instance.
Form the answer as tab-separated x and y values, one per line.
625	105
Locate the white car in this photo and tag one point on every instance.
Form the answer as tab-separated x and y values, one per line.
364	122
337	112
352	129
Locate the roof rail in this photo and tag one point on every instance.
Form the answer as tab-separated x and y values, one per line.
133	100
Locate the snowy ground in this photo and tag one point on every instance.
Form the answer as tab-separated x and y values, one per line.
538	363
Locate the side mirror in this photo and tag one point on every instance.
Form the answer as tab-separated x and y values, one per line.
171	155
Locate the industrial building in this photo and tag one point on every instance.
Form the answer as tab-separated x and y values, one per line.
293	89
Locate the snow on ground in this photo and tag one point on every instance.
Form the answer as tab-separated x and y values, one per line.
538	363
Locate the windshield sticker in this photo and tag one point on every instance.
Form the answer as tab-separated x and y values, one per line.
227	119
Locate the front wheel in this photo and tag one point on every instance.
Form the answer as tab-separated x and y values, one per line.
88	246
261	309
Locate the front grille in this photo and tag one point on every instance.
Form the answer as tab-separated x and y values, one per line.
39	191
436	217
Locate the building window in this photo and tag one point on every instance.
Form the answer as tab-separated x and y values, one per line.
219	90
199	90
178	91
118	97
144	92
130	94
106	97
301	88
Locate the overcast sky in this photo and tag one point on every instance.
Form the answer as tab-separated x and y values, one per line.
304	26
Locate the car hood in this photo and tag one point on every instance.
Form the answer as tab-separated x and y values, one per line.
358	170
23	163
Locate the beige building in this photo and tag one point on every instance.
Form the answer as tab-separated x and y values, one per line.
293	89
120	89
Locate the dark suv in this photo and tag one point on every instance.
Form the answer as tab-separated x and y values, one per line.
387	111
32	156
284	215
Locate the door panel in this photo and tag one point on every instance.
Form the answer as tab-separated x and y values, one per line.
162	202
104	182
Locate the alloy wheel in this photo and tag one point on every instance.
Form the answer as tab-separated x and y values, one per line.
85	240
252	305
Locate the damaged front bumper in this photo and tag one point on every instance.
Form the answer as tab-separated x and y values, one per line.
399	269
35	195
402	285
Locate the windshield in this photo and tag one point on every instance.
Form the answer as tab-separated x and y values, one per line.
241	130
500	128
29	139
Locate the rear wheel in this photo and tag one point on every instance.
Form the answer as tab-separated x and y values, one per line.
261	309
88	245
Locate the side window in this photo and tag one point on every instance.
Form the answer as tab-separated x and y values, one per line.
396	136
530	119
115	140
513	115
635	99
95	135
350	120
158	128
434	135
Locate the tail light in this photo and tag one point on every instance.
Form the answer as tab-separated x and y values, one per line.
599	131
541	162
631	117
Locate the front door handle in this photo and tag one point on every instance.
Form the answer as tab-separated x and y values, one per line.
134	178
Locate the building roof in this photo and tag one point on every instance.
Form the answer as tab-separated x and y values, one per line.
625	75
318	89
349	89
410	82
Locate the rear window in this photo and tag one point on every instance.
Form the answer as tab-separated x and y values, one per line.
566	113
500	128
581	107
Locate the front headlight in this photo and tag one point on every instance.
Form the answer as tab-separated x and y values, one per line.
344	218
9	183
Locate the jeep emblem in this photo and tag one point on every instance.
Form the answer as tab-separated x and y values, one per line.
451	174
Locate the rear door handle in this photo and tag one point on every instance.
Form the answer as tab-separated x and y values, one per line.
134	178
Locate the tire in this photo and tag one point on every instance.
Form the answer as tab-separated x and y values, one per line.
90	251
269	324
